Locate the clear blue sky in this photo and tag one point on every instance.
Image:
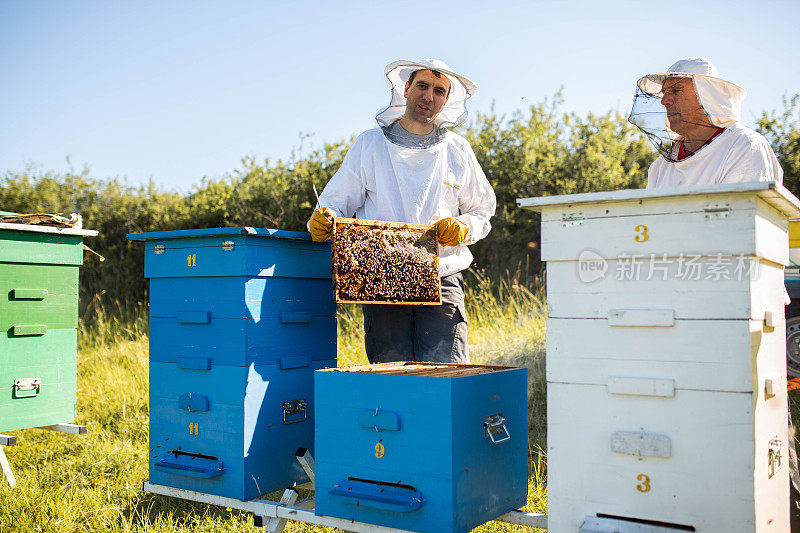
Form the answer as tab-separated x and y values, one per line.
175	91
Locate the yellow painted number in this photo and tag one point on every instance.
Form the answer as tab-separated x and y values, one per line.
379	450
644	485
194	428
191	260
642	235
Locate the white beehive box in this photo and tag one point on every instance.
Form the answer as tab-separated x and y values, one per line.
666	369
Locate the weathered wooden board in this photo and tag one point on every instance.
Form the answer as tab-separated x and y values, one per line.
377	262
413	368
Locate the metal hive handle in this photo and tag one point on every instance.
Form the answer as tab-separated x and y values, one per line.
495	425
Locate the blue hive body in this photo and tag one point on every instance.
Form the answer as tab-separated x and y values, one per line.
412	451
239	320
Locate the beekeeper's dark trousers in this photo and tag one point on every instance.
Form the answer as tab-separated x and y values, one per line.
432	333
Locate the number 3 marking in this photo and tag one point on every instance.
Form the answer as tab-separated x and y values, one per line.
379	450
644	486
642	236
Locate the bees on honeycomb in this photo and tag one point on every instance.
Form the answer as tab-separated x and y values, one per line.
377	262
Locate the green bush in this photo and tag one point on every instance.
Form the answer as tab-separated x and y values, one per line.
537	152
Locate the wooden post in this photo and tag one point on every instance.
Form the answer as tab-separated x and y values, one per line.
7	469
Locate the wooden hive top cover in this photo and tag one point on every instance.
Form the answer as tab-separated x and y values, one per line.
773	193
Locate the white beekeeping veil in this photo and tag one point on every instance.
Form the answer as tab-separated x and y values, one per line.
719	99
454	111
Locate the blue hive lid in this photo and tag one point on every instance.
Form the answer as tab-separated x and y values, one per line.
210	232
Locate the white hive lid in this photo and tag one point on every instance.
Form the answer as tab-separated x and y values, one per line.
773	193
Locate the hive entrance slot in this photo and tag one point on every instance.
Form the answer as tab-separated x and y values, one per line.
382	483
178	453
656	523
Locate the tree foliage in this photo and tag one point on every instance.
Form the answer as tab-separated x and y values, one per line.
782	130
543	152
534	152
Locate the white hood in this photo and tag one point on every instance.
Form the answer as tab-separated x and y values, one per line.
454	111
721	99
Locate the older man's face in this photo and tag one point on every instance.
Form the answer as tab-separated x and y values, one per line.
426	96
684	112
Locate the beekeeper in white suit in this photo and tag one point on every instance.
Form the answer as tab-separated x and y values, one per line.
413	169
692	117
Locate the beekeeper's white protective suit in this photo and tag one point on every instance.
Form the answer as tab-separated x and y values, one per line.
392	174
381	180
737	154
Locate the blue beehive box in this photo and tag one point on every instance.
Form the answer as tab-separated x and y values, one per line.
239	320
421	447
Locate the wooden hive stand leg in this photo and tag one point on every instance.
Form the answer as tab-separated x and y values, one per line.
9	474
75	429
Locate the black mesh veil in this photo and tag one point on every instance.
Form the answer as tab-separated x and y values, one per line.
650	116
672	118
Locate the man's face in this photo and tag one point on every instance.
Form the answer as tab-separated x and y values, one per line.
426	96
684	112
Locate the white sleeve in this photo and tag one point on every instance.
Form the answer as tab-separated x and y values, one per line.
752	159
346	190
476	199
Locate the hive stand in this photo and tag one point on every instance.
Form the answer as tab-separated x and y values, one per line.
273	516
11	440
666	381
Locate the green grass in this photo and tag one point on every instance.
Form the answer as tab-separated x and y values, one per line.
94	482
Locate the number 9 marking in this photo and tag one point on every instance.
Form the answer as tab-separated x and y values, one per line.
642	233
379	450
644	486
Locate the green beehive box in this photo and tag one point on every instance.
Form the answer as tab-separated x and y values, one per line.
38	324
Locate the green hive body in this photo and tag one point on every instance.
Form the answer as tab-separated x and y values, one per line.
38	325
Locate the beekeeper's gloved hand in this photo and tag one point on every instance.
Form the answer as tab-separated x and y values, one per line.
321	224
452	232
